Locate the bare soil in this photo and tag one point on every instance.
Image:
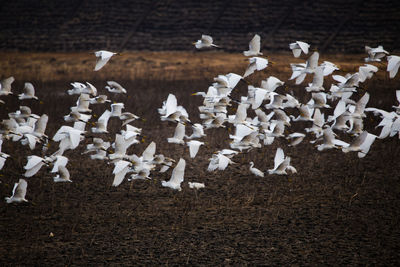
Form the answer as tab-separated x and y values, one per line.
337	210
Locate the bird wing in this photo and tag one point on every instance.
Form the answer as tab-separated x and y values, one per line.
392	62
259	96
64	173
178	172
179	131
250	69
60	161
233	79
359	139
261	63
171	105
120	175
303	46
312	61
318	118
32	161
40	124
318	79
6	84
120	166
31	140
279	158
29	89
360	106
33	170
194	147
366	145
296	52
102	58
206	39
20	190
148	153
255	44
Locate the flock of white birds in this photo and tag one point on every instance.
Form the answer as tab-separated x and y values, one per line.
271	121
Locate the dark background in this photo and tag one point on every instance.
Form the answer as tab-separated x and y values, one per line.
334	26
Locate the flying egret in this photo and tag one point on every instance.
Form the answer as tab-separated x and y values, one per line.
375	54
63	175
281	164
177	176
19	192
255	63
254	47
102	57
114	87
298	47
28	92
194	146
205	41
5	86
179	134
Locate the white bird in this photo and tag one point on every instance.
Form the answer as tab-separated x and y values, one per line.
255	63
102	57
393	65
128	117
219	161
5	86
255	171
195	185
375	54
194	146
198	131
229	80
271	83
177	176
254	47
361	144
59	161
120	170
318	81
19	192
82	104
101	99
33	165
102	122
281	164
328	68
329	140
116	109
121	145
365	72
114	87
28	92
319	100
63	175
305	113
298	47
205	41
296	138
179	134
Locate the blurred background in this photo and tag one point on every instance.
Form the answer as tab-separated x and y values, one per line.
158	25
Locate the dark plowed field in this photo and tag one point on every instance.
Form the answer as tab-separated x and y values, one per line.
337	210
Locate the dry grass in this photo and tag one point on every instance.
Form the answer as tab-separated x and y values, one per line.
149	65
